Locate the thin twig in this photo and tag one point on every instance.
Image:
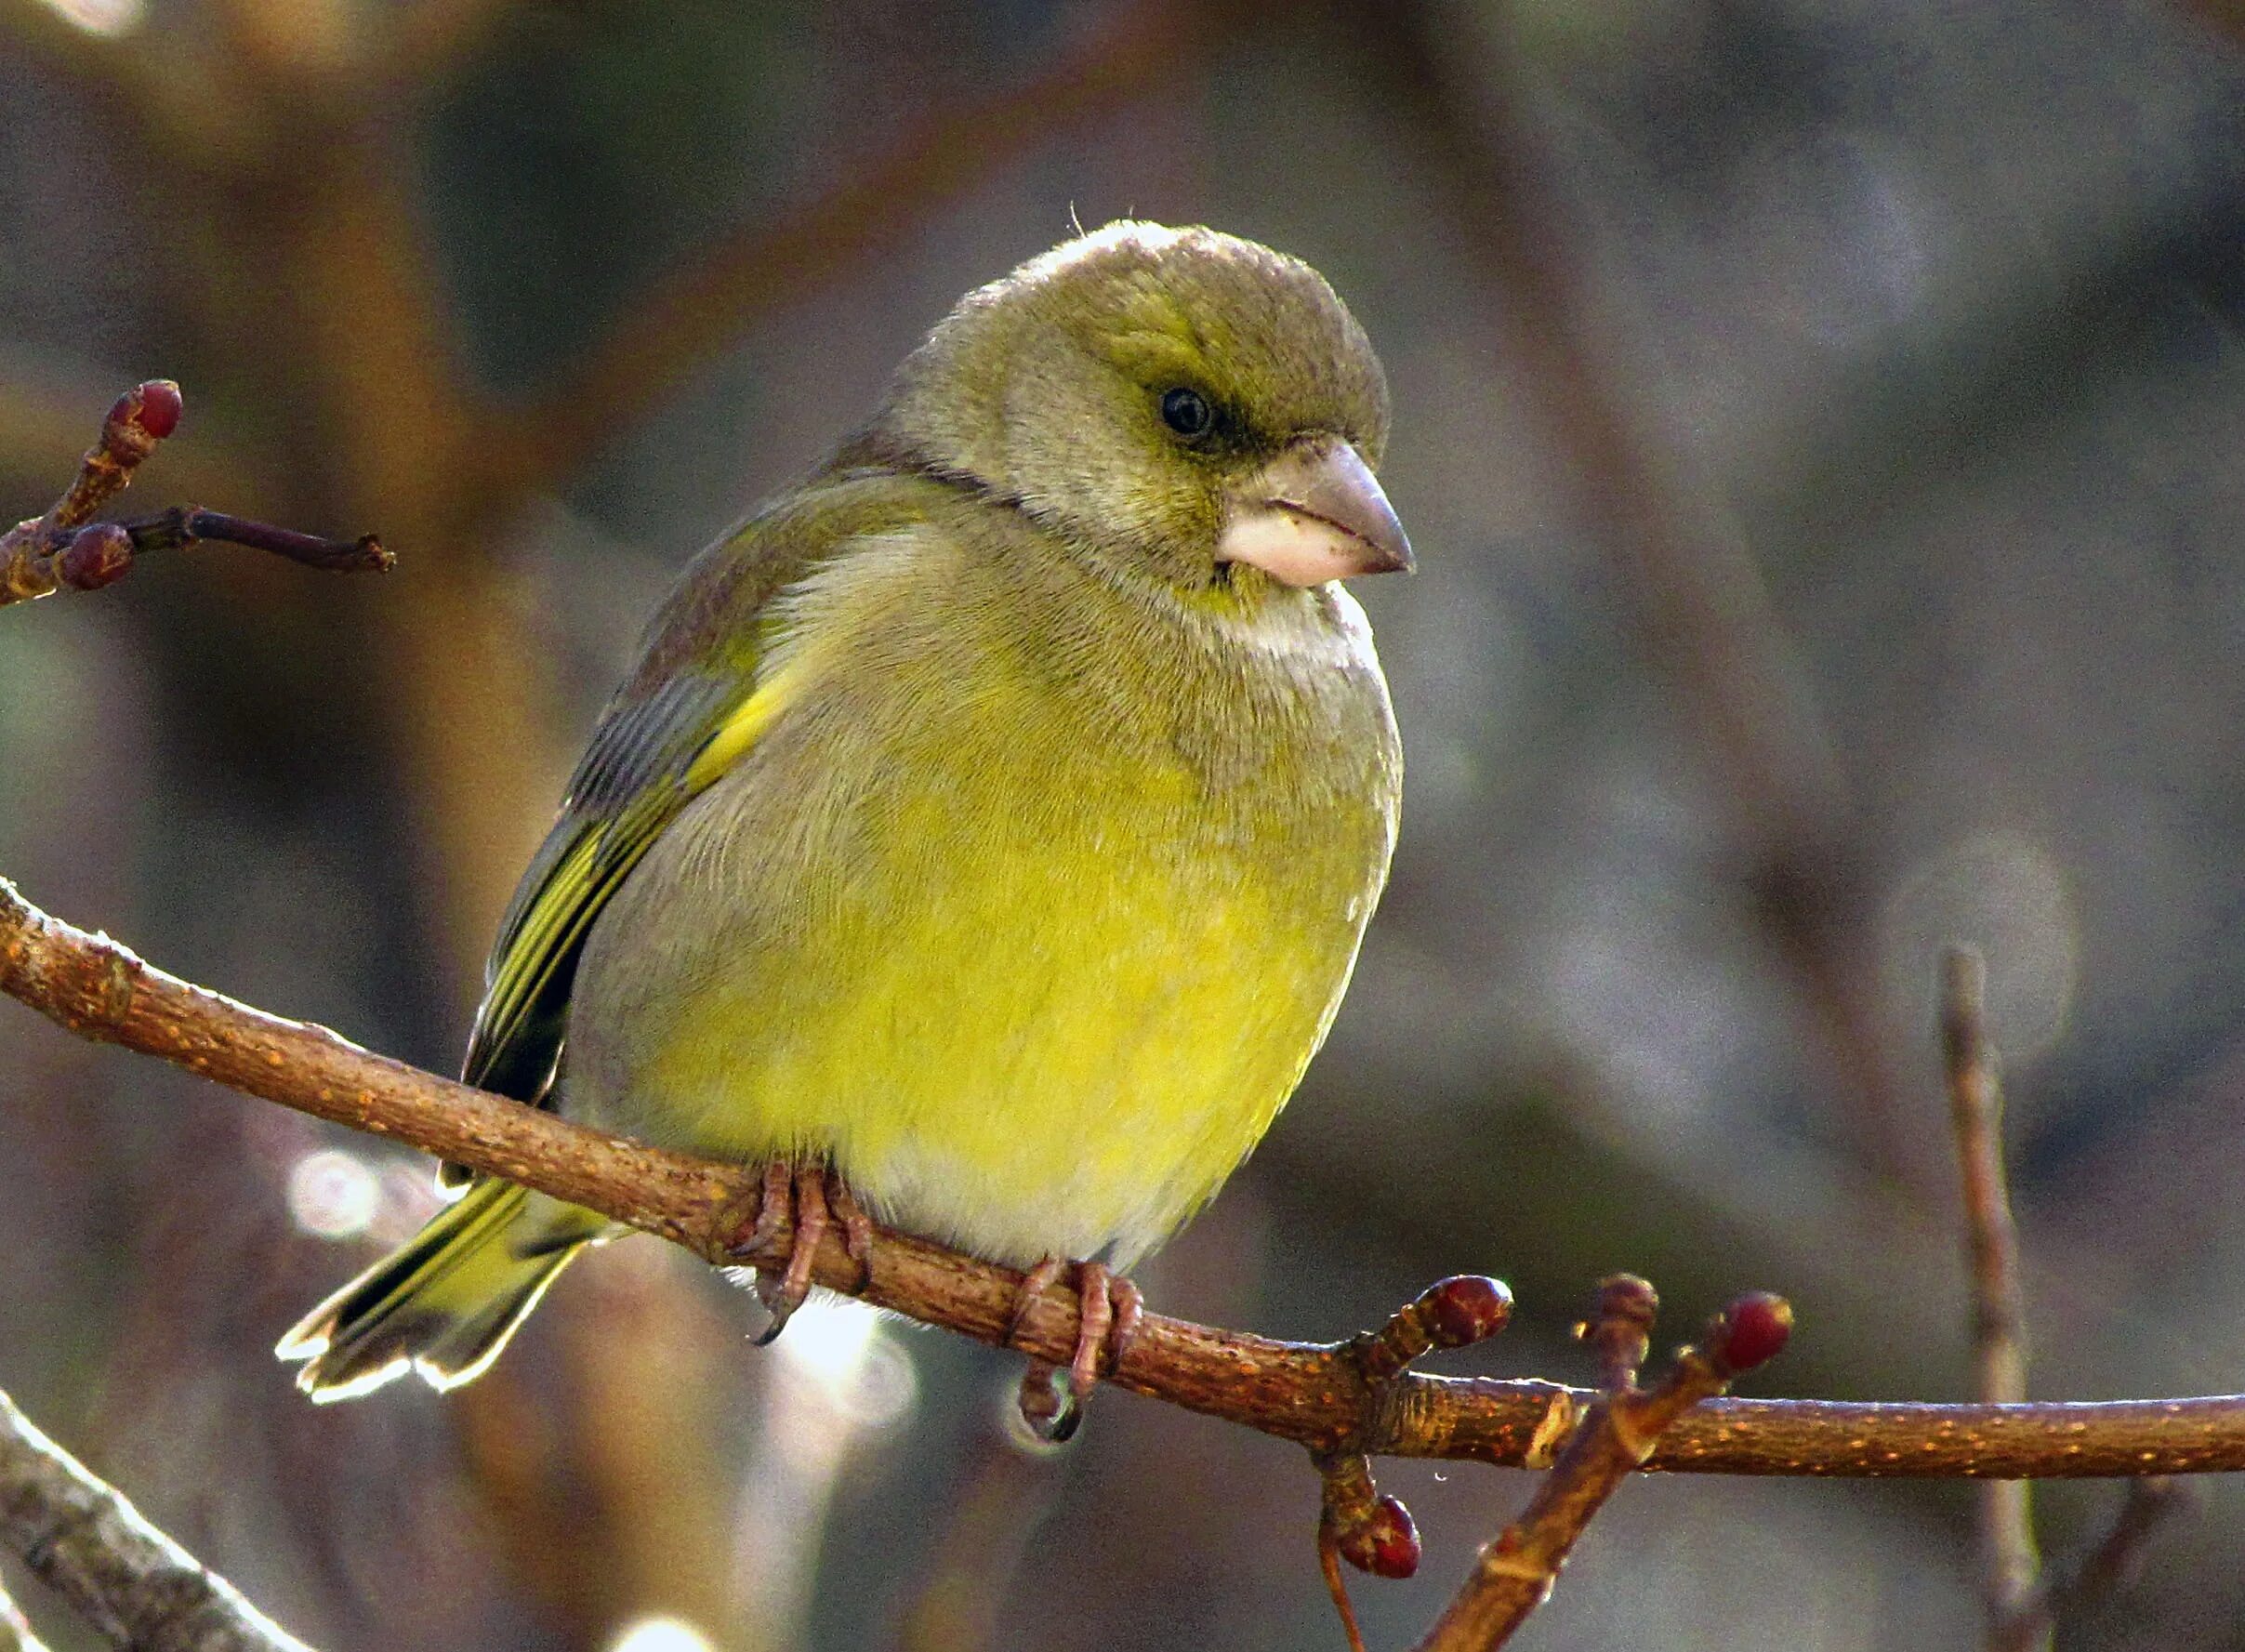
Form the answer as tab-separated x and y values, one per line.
64	550
2112	1565
1310	1393
1515	1574
131	1582
2011	1564
184	526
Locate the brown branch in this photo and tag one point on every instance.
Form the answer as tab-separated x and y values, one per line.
2011	1564
1355	1523
1515	1574
64	550
134	1584
1310	1393
186	525
691	314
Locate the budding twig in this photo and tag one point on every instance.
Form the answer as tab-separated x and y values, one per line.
1355	1523
1310	1393
66	550
1514	1574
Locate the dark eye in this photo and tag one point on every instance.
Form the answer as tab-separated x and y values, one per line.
1186	412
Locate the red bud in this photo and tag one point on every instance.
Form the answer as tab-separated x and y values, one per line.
1466	1308
1754	1330
159	409
1387	1544
95	556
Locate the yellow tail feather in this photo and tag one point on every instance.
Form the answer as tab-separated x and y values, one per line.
443	1304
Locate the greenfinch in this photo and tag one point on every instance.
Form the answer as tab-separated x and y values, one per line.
985	835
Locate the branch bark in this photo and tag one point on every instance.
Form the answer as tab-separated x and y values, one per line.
1312	1393
131	1582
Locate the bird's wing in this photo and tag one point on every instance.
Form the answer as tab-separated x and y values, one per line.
692	710
649	758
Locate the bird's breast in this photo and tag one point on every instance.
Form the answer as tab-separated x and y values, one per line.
1031	935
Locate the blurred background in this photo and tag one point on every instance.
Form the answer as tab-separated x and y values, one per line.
1820	423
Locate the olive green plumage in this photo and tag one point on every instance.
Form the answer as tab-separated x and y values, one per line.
983	817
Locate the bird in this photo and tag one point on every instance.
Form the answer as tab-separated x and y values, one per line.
985	838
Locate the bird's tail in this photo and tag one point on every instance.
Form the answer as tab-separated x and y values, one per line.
442	1305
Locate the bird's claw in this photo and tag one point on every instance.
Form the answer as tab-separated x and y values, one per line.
809	1200
1109	1311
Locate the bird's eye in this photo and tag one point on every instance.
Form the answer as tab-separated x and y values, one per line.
1186	412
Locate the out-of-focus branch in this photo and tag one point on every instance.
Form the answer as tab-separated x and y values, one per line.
1515	1574
687	317
2011	1566
1700	611
2022	1608
130	1582
16	1630
1311	1394
2113	1563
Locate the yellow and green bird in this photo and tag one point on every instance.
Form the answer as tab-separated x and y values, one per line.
990	822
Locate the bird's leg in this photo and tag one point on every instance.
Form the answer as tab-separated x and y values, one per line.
794	1199
857	1227
805	1201
783	1296
1108	1313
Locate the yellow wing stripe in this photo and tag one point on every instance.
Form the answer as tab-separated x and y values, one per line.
732	737
579	886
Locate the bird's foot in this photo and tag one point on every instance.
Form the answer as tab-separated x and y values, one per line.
808	1200
1109	1311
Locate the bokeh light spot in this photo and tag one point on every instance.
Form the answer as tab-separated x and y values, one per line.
662	1634
333	1193
848	1355
2007	894
106	18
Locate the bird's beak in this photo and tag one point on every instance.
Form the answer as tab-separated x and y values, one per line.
1314	513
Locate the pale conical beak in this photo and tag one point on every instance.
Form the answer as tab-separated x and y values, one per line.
1314	513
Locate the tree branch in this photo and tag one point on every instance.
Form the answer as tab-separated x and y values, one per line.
1515	1574
64	549
133	1583
2011	1566
1311	1394
2022	1607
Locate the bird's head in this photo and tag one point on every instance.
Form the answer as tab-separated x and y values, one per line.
1176	402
